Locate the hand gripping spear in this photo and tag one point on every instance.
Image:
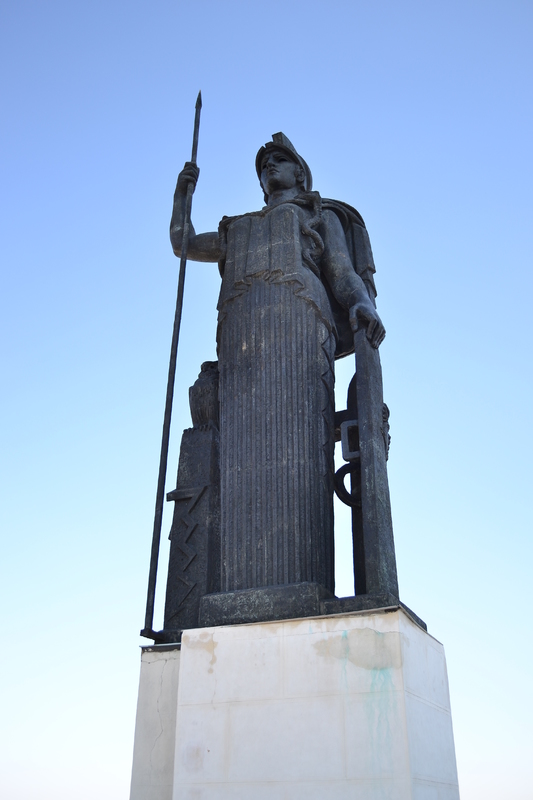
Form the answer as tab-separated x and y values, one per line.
148	631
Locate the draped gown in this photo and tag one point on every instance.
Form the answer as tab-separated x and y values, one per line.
276	346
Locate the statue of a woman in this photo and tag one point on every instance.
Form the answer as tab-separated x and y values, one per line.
296	281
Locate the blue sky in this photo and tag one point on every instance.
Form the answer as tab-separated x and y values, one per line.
417	113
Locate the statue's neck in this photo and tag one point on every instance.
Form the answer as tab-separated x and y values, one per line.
282	196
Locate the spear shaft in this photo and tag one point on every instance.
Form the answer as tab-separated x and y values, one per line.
160	494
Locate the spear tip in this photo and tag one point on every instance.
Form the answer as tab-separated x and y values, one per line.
199	100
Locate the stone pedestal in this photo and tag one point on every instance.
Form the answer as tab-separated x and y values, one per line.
152	776
345	707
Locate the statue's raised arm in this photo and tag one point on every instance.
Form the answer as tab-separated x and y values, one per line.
202	246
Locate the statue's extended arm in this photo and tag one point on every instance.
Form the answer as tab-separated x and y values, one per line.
202	246
346	285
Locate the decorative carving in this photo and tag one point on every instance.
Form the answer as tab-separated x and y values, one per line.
194	562
183	527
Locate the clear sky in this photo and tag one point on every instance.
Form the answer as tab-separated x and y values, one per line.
420	115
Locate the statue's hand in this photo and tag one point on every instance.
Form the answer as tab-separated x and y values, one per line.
189	174
364	312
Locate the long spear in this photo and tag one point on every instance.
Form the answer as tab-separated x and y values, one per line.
148	631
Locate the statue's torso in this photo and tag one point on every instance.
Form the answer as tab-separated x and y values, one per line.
269	245
275	348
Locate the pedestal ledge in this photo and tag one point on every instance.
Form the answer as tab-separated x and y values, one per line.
368	602
292	601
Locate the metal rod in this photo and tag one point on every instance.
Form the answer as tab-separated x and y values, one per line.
160	494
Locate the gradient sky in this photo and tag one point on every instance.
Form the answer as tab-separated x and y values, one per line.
420	115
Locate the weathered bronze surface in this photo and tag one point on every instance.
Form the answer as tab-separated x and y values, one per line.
252	537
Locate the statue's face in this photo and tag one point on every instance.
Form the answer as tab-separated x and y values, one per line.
278	172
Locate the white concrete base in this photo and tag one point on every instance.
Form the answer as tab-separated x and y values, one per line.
352	707
152	776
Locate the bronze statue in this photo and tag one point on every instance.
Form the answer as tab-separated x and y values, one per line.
297	286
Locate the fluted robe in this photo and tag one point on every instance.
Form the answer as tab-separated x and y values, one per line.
276	345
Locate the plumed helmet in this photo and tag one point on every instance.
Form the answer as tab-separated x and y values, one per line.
281	142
